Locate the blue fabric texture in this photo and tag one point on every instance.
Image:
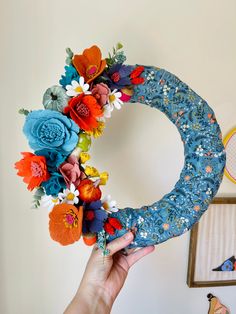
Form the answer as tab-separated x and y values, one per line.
203	169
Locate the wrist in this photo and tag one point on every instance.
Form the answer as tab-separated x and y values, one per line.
90	301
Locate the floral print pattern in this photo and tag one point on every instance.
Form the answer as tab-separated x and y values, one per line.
204	165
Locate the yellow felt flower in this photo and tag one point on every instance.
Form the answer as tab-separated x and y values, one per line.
98	130
84	157
103	178
91	171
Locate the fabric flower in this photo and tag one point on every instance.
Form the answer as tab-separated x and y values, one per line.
53	158
90	64
70	75
54	185
71	172
33	169
118	76
69	196
135	75
100	92
84	110
89	191
65	224
94	217
107	110
55	98
48	129
90	238
48	201
114	99
98	131
109	205
83	157
111	225
126	94
77	88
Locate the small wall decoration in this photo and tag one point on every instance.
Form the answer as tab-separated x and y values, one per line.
212	247
215	306
230	148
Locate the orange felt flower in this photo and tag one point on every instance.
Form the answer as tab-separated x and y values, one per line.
33	169
65	224
88	191
90	238
84	110
90	64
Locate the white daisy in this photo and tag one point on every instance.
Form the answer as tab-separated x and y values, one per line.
107	110
77	88
114	99
48	201
109	205
69	196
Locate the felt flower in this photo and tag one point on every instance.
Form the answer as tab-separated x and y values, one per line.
33	169
69	196
114	99
118	75
49	201
103	178
48	129
90	64
91	171
90	238
53	158
94	217
71	172
70	75
109	205
100	92
111	225
54	185
55	98
135	75
89	191
98	131
77	88
126	94
65	224
83	157
107	110
84	110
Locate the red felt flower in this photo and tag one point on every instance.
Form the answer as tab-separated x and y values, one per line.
135	75
111	225
84	110
33	168
88	191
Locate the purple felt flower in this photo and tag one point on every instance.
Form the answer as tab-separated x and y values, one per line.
94	217
118	76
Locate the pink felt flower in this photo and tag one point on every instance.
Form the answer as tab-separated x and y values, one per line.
101	92
71	172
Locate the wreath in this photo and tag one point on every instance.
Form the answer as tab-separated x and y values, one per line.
75	111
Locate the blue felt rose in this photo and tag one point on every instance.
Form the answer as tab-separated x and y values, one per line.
53	158
54	185
49	129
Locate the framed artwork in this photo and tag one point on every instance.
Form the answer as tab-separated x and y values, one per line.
212	249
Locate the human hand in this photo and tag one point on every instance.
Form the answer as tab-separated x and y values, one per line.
104	277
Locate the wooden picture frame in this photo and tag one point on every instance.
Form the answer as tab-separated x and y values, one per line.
192	280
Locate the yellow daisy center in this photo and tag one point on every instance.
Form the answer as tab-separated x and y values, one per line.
79	89
112	98
70	196
54	200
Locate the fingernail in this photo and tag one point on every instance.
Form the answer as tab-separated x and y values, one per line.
128	236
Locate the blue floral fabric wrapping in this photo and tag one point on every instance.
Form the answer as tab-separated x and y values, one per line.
203	169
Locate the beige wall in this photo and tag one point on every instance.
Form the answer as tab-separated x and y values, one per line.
195	40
